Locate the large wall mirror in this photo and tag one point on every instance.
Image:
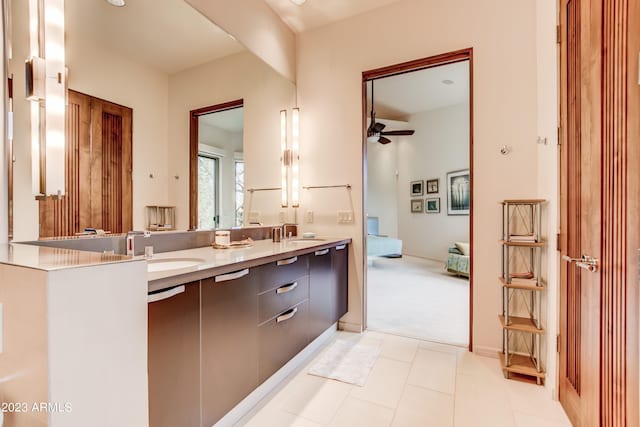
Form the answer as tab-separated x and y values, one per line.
134	75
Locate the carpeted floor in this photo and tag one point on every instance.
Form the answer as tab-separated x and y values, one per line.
417	298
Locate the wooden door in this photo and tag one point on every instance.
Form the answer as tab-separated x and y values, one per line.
598	373
98	170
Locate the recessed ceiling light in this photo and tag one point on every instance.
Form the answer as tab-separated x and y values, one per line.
447	82
117	3
298	2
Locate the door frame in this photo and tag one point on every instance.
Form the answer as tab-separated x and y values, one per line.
394	70
194	115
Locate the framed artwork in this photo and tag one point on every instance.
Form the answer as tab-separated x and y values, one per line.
417	206
417	188
458	192
432	205
432	185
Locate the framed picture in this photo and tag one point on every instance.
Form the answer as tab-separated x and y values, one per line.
432	185
417	206
432	205
458	192
416	188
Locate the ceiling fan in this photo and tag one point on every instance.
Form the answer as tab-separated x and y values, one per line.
375	131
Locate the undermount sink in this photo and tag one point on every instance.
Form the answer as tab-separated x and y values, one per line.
155	265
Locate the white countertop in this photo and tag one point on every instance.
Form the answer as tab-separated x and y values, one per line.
51	259
235	258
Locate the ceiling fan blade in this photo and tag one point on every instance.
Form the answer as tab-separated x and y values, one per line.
399	132
378	127
384	140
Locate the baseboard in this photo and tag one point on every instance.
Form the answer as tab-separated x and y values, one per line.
350	327
486	351
250	405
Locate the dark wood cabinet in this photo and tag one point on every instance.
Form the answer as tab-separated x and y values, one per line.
174	357
340	290
229	341
321	284
282	338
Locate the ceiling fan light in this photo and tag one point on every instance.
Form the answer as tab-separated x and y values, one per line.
117	3
373	138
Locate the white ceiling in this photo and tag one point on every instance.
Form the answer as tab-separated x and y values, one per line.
397	97
168	35
228	120
316	13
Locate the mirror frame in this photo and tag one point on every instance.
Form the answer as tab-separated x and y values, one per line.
194	115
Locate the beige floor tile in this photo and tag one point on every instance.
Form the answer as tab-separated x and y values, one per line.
527	420
423	407
356	412
535	400
480	403
385	383
434	370
271	417
444	348
487	368
399	348
314	398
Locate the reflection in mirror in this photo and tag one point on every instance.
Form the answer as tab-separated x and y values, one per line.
141	56
220	184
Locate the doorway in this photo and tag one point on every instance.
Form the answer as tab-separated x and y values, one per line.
217	166
418	198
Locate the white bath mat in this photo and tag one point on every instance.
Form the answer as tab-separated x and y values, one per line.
347	362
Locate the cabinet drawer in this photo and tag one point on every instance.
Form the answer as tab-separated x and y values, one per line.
282	338
275	301
281	272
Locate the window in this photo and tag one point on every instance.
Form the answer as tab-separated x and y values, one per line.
208	210
239	220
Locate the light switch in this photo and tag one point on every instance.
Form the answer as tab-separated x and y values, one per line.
308	217
282	217
345	217
254	217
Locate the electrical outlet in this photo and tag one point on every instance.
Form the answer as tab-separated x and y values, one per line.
345	217
254	217
308	217
282	217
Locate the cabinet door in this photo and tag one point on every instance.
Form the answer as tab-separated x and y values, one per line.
174	357
282	338
321	292
340	255
229	341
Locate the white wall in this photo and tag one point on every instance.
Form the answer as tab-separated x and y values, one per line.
331	60
440	145
265	93
382	187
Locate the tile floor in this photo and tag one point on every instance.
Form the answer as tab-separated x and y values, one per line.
413	383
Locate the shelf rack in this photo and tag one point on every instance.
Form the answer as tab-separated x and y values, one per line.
522	245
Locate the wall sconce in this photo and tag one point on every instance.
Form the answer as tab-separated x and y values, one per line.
289	160
46	89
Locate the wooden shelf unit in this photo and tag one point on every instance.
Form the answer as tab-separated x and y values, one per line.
522	218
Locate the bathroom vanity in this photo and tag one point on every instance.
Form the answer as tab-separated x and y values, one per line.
178	339
221	329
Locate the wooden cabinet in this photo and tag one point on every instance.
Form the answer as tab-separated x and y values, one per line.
321	285
282	337
229	341
340	290
174	357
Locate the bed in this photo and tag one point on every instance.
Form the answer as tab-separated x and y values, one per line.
378	245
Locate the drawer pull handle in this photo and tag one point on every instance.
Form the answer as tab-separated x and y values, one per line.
287	315
340	247
286	288
287	261
159	296
322	252
231	276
